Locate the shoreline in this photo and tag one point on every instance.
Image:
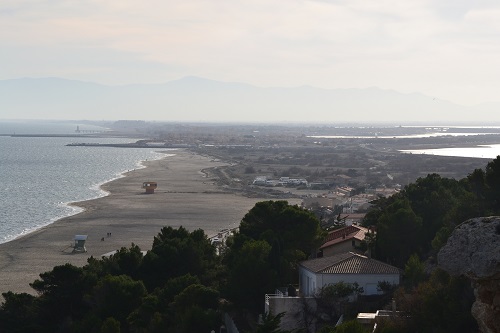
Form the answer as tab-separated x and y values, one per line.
185	196
99	193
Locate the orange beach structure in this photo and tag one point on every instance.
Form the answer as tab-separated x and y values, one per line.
150	187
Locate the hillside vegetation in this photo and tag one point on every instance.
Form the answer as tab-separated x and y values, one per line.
184	283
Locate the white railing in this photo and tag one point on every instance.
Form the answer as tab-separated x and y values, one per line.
278	294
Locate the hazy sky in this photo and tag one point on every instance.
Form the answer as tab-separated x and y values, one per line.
447	48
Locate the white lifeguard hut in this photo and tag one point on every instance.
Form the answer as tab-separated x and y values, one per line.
79	246
149	187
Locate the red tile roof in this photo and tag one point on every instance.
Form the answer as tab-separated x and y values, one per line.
344	234
348	263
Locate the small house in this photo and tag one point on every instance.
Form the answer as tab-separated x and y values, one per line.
345	239
346	267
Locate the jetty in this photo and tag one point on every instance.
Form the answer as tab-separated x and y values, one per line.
138	144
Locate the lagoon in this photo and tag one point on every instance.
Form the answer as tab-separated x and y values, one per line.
483	151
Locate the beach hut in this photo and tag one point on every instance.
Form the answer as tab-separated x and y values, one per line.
80	243
150	187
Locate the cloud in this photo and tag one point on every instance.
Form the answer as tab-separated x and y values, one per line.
428	46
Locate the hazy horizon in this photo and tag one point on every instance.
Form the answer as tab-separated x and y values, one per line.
194	99
446	51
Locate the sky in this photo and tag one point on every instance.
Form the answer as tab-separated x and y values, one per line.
447	48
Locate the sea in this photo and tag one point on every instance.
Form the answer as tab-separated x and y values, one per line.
40	176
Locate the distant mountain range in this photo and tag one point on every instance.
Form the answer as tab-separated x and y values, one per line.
198	99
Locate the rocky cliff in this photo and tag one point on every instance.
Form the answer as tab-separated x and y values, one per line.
473	250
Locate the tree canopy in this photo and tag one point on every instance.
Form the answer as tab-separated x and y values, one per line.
273	237
287	226
421	217
110	294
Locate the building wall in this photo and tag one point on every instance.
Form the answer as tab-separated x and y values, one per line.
307	282
338	248
229	324
294	311
310	282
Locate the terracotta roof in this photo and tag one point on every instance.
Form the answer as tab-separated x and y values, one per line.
340	233
348	263
344	234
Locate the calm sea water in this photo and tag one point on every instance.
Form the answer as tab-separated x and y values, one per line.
488	152
40	176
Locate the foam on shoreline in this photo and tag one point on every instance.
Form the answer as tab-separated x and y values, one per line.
75	208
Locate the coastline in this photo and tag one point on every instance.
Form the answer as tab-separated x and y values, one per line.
98	192
185	196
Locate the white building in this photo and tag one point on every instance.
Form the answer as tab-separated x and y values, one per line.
260	180
347	267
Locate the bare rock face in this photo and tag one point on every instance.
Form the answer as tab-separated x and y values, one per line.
473	250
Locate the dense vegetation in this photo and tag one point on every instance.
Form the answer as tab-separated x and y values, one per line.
420	218
183	285
411	228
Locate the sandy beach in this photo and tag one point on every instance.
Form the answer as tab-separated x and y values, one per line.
185	196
